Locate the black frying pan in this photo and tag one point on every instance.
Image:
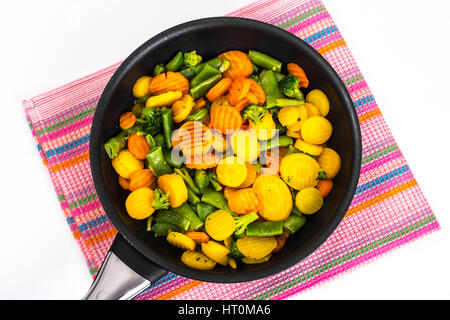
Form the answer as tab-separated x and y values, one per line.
152	257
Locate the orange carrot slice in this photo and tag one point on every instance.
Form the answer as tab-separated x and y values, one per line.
226	119
238	90
170	81
258	91
219	89
241	66
244	201
198	237
324	187
295	70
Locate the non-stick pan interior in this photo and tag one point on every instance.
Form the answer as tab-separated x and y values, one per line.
210	37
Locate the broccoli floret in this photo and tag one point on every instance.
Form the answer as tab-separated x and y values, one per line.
159	68
289	87
191	59
160	200
253	112
234	252
152	121
322	175
226	64
242	221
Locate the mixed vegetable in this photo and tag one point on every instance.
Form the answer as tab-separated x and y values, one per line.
225	158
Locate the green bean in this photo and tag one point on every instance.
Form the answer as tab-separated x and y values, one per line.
294	223
160	141
282	141
168	126
201	89
174	218
285	102
264	61
115	144
207	72
269	84
176	62
201	180
198	115
216	63
265	229
204	210
216	199
186	212
157	162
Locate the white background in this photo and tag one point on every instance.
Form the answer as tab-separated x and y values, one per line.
402	48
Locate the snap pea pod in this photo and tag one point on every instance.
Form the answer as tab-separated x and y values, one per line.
292	150
285	102
279	76
172	160
264	61
204	209
174	218
168	126
216	199
213	180
186	212
192	197
201	89
269	84
198	115
157	162
255	68
294	223
265	229
187	179
188	73
282	141
115	144
162	229
207	72
176	63
201	180
159	68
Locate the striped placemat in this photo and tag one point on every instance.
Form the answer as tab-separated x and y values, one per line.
388	209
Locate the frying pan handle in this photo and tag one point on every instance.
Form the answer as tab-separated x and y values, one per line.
124	274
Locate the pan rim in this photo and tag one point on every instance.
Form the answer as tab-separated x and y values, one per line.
237	276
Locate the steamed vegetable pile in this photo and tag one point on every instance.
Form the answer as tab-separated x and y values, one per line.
225	158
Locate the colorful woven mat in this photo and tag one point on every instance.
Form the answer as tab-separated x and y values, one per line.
388	209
